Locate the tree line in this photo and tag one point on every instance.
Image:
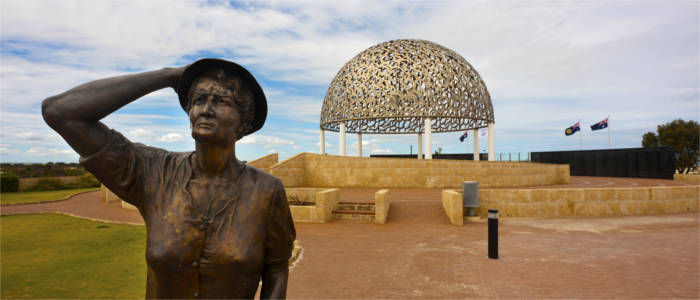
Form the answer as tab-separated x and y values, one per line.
683	136
49	169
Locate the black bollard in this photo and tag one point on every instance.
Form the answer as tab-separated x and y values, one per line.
493	233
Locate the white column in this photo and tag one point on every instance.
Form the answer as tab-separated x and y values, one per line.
492	153
428	139
420	145
359	144
323	142
475	133
341	151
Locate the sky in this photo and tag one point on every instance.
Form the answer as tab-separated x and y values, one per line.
546	64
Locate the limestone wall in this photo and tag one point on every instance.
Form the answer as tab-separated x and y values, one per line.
291	170
107	195
315	170
264	163
588	202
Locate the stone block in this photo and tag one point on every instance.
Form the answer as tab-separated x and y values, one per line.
582	209
607	194
522	196
672	206
381	206
301	213
566	209
640	194
591	195
557	195
622	194
656	207
540	195
615	208
527	210
452	204
502	196
547	209
630	208
691	192
508	210
660	193
677	193
575	195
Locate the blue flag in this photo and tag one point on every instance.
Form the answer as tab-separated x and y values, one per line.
571	130
600	125
464	136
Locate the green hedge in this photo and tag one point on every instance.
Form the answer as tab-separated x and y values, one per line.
53	184
9	182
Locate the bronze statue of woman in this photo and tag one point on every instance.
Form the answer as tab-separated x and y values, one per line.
215	226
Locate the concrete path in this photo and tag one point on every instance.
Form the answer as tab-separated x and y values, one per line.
419	254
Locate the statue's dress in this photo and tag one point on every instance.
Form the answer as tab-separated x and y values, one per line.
198	248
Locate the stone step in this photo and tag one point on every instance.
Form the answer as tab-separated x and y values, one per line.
353	215
344	206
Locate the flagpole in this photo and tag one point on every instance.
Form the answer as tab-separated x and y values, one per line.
580	132
608	123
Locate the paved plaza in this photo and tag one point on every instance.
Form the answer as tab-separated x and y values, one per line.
419	254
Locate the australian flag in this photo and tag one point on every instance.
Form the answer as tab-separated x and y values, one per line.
571	130
464	136
600	125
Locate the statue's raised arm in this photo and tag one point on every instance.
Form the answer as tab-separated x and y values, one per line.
76	113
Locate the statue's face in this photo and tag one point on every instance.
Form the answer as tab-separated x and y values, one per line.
213	112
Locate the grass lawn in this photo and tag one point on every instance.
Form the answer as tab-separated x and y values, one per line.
56	256
29	197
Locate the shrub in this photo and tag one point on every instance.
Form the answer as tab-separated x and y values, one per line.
87	180
9	182
47	184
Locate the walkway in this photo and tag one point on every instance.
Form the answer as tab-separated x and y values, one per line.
419	254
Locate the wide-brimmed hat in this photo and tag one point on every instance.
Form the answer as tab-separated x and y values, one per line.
201	66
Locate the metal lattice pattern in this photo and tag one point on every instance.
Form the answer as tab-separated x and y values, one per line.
392	86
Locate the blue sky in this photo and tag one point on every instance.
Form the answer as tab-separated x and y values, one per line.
546	65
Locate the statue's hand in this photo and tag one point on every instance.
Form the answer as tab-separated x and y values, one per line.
174	75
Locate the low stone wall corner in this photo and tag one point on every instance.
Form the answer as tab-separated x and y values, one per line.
452	204
324	200
381	206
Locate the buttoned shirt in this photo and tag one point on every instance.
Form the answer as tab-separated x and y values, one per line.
192	251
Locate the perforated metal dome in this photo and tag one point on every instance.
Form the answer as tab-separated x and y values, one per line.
391	87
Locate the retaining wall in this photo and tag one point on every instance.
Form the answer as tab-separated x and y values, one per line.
264	163
290	171
585	202
316	170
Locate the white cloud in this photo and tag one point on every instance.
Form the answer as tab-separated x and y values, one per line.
382	151
171	138
142	134
41	151
247	140
8	151
30	136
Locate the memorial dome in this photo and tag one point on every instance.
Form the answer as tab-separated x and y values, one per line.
392	86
